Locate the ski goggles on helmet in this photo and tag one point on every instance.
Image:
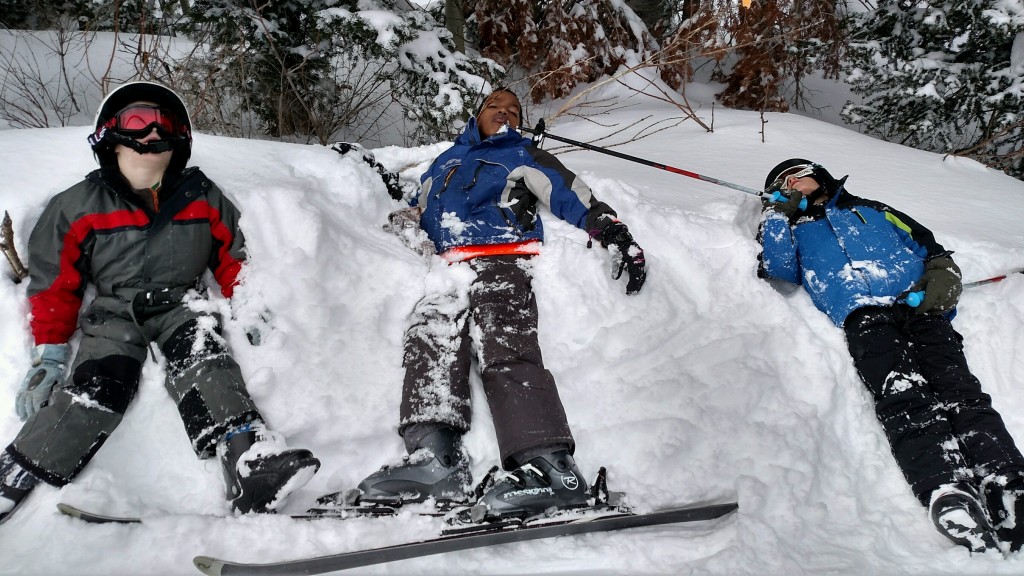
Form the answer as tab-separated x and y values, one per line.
800	171
137	120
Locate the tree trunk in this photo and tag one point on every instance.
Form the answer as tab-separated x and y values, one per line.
455	22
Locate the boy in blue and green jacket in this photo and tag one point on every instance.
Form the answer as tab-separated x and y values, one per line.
859	259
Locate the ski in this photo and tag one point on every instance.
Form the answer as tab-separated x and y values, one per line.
477	537
336	513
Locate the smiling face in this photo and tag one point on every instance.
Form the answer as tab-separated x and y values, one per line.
500	108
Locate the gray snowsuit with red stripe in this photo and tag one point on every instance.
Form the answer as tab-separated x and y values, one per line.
142	264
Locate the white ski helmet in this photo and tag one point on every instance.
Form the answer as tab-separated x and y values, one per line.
175	128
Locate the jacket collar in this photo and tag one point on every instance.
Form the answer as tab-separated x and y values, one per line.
471	136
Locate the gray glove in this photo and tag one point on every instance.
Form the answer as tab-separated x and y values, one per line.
48	364
255	331
405	223
941	285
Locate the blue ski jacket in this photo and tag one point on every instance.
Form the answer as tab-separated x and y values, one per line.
486	191
847	253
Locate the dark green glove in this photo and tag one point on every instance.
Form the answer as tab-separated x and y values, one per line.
941	285
790	207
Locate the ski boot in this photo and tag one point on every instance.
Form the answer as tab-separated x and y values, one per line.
15	484
1004	502
546	483
438	469
259	472
957	513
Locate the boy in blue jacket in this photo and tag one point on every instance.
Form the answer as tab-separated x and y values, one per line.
859	259
478	205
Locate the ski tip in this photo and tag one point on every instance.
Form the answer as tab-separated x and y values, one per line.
208	565
723	508
68	510
92	517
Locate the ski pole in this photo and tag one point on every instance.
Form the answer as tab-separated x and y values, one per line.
994	279
914	299
778	196
540	134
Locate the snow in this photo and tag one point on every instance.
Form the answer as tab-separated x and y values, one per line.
708	386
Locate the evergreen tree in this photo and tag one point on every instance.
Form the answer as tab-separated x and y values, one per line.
561	44
274	46
941	75
310	68
655	14
24	14
438	87
47	15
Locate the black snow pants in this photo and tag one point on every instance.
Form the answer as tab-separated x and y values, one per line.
499	314
203	380
941	427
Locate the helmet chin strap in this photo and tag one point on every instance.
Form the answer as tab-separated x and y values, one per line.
818	193
821	190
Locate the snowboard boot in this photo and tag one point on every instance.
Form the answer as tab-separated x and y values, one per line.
546	483
1004	502
957	513
15	484
259	472
438	469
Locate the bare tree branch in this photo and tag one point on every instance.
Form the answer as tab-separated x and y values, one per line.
7	247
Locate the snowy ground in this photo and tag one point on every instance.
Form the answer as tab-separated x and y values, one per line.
710	385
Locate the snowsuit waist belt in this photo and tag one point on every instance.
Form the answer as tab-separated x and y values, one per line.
145	298
463	253
146	303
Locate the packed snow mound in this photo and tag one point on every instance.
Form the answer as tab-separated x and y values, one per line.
710	385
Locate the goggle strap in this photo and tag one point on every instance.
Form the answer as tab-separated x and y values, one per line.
154	147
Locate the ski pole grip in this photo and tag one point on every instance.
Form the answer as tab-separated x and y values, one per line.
778	196
914	299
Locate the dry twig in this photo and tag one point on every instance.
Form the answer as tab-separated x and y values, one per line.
7	247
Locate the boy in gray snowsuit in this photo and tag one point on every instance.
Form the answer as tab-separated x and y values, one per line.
142	229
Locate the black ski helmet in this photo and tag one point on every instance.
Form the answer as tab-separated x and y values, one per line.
104	138
820	174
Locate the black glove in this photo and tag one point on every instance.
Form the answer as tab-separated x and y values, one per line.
626	255
941	285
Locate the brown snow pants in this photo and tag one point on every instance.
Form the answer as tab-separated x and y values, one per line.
499	316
